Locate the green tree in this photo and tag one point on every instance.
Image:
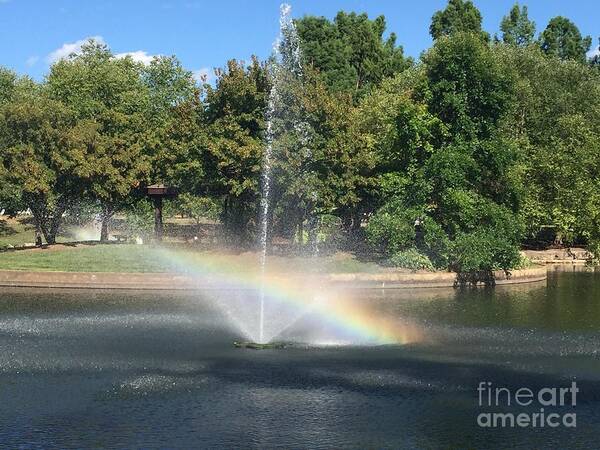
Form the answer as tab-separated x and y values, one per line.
516	27
321	168
108	100
458	16
350	53
174	135
556	121
40	158
563	39
10	194
235	111
466	88
452	169
8	80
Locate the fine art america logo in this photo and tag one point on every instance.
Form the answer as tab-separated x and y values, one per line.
527	408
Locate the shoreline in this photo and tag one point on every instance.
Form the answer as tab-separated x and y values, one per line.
172	281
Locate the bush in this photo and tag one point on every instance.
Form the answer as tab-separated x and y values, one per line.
436	244
392	228
481	252
411	259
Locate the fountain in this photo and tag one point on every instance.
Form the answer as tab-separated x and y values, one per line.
286	63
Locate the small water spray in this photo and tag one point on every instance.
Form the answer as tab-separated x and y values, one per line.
286	62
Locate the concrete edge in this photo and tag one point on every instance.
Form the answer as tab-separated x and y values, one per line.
168	281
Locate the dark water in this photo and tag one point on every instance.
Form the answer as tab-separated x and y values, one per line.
83	369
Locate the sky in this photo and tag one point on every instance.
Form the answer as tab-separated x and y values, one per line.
205	34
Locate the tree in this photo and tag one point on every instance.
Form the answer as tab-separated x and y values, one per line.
198	208
562	38
40	157
458	16
350	53
556	120
516	27
451	166
8	80
234	116
321	167
10	194
108	100
467	89
175	139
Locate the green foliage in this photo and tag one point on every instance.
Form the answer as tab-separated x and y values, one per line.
411	259
41	157
563	39
8	80
483	251
448	162
139	219
234	116
468	90
350	52
392	228
108	100
516	27
435	243
174	139
556	121
459	16
198	207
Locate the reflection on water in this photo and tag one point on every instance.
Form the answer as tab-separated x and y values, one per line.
139	369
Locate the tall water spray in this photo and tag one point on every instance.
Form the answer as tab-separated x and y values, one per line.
285	65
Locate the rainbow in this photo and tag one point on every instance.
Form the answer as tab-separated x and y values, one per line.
355	319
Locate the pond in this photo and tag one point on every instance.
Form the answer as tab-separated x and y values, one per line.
122	369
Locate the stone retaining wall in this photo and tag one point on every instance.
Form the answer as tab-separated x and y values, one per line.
167	281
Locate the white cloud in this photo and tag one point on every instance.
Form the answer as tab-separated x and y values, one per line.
593	52
138	56
203	75
32	60
69	48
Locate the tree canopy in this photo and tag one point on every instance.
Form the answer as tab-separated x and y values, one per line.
516	27
459	16
452	162
350	53
562	39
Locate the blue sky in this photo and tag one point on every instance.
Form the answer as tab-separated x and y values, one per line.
205	34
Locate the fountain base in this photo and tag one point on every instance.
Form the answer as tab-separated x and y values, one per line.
258	346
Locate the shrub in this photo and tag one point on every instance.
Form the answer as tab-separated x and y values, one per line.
392	228
436	244
476	255
411	259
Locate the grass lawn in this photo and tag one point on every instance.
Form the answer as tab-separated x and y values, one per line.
143	258
15	232
18	231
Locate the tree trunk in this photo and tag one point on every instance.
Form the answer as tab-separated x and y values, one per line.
38	232
158	223
55	223
104	230
48	224
106	215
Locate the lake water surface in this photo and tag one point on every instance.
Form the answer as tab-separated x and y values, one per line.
123	369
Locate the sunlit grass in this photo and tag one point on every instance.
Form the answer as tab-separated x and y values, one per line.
143	258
